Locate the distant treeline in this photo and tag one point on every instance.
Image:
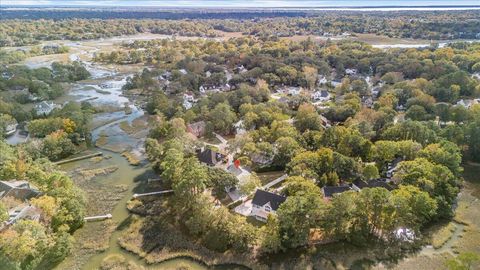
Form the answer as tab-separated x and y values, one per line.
38	13
31	26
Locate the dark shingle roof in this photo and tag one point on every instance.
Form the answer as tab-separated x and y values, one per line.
262	197
379	183
20	190
329	191
210	157
372	184
360	183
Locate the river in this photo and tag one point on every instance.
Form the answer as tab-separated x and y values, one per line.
109	81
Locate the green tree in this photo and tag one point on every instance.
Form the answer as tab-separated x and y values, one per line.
193	179
307	118
414	208
370	172
296	216
271	239
3	213
222	118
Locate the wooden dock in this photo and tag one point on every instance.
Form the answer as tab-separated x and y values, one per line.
152	193
78	158
101	217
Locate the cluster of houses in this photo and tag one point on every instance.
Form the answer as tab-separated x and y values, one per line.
15	195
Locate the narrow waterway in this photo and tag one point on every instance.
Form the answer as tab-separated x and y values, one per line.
105	89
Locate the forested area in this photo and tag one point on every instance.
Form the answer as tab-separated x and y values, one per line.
416	117
36	244
435	25
369	144
63	128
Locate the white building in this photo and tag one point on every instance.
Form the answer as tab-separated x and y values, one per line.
322	80
45	107
351	71
11	128
293	91
321	95
467	103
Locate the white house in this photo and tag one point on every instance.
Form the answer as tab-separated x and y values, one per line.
189	97
11	128
293	91
322	80
214	88
45	107
321	95
467	103
376	91
239	128
351	71
265	203
187	104
335	83
241	69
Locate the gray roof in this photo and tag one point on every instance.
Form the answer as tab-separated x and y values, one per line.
20	190
263	197
329	191
210	157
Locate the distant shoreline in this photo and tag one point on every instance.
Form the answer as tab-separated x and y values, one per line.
253	8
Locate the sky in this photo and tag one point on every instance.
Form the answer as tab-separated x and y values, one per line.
239	3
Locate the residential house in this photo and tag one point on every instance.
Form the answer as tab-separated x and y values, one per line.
376	91
262	159
23	211
197	128
187	104
239	128
392	166
242	175
467	103
321	95
367	101
188	100
330	191
189	96
335	83
358	184
351	71
6	75
183	71
294	91
322	80
45	107
214	88
241	69
325	122
265	203
18	189
11	128
210	157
